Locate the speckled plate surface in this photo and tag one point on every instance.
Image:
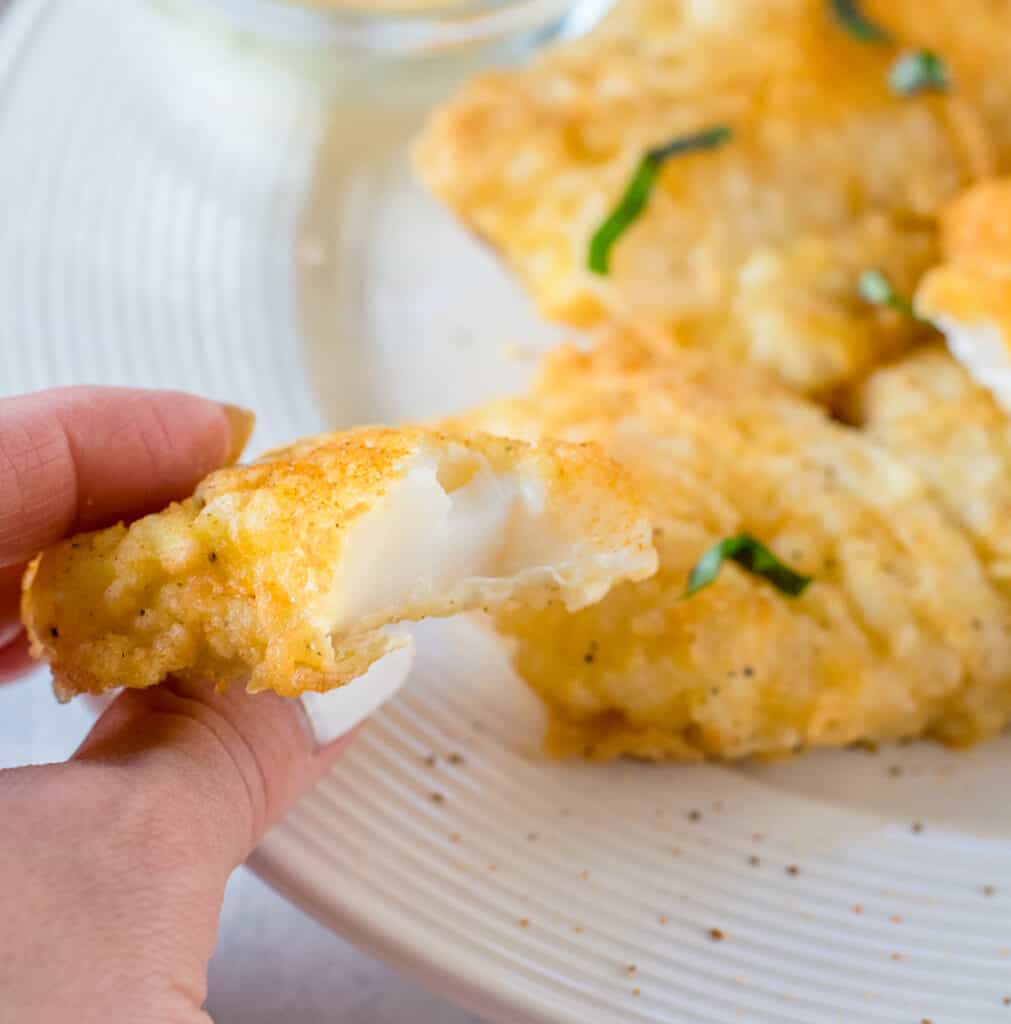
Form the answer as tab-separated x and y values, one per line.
183	208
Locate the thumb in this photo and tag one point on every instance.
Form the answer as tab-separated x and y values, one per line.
209	773
226	765
223	766
167	795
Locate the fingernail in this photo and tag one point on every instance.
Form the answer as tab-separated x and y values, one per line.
338	711
241	422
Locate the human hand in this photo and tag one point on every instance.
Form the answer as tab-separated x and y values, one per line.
113	865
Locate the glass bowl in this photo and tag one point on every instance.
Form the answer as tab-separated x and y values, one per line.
413	27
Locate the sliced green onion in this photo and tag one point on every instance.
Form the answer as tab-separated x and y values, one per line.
919	71
849	15
876	289
636	194
752	555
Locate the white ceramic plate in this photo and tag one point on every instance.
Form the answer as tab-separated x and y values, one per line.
166	222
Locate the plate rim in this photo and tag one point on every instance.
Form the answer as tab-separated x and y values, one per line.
274	865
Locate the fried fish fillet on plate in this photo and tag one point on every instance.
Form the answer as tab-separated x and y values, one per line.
950	429
287	572
972	38
900	632
754	245
968	296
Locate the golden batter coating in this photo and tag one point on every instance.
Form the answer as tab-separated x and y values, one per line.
930	413
968	296
901	632
972	38
285	572
754	247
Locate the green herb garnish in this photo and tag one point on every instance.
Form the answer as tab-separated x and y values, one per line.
636	194
849	15
919	71
876	289
752	555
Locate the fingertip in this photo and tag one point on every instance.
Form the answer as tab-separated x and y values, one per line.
224	765
82	458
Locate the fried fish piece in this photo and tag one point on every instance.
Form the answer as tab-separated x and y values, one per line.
754	247
901	632
930	413
973	40
288	571
968	296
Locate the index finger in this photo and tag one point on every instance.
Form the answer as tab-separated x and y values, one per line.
79	458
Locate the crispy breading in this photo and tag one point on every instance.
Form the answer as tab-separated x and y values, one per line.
968	296
285	572
754	247
932	415
900	634
973	40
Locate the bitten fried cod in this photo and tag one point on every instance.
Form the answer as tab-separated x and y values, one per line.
899	633
288	572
